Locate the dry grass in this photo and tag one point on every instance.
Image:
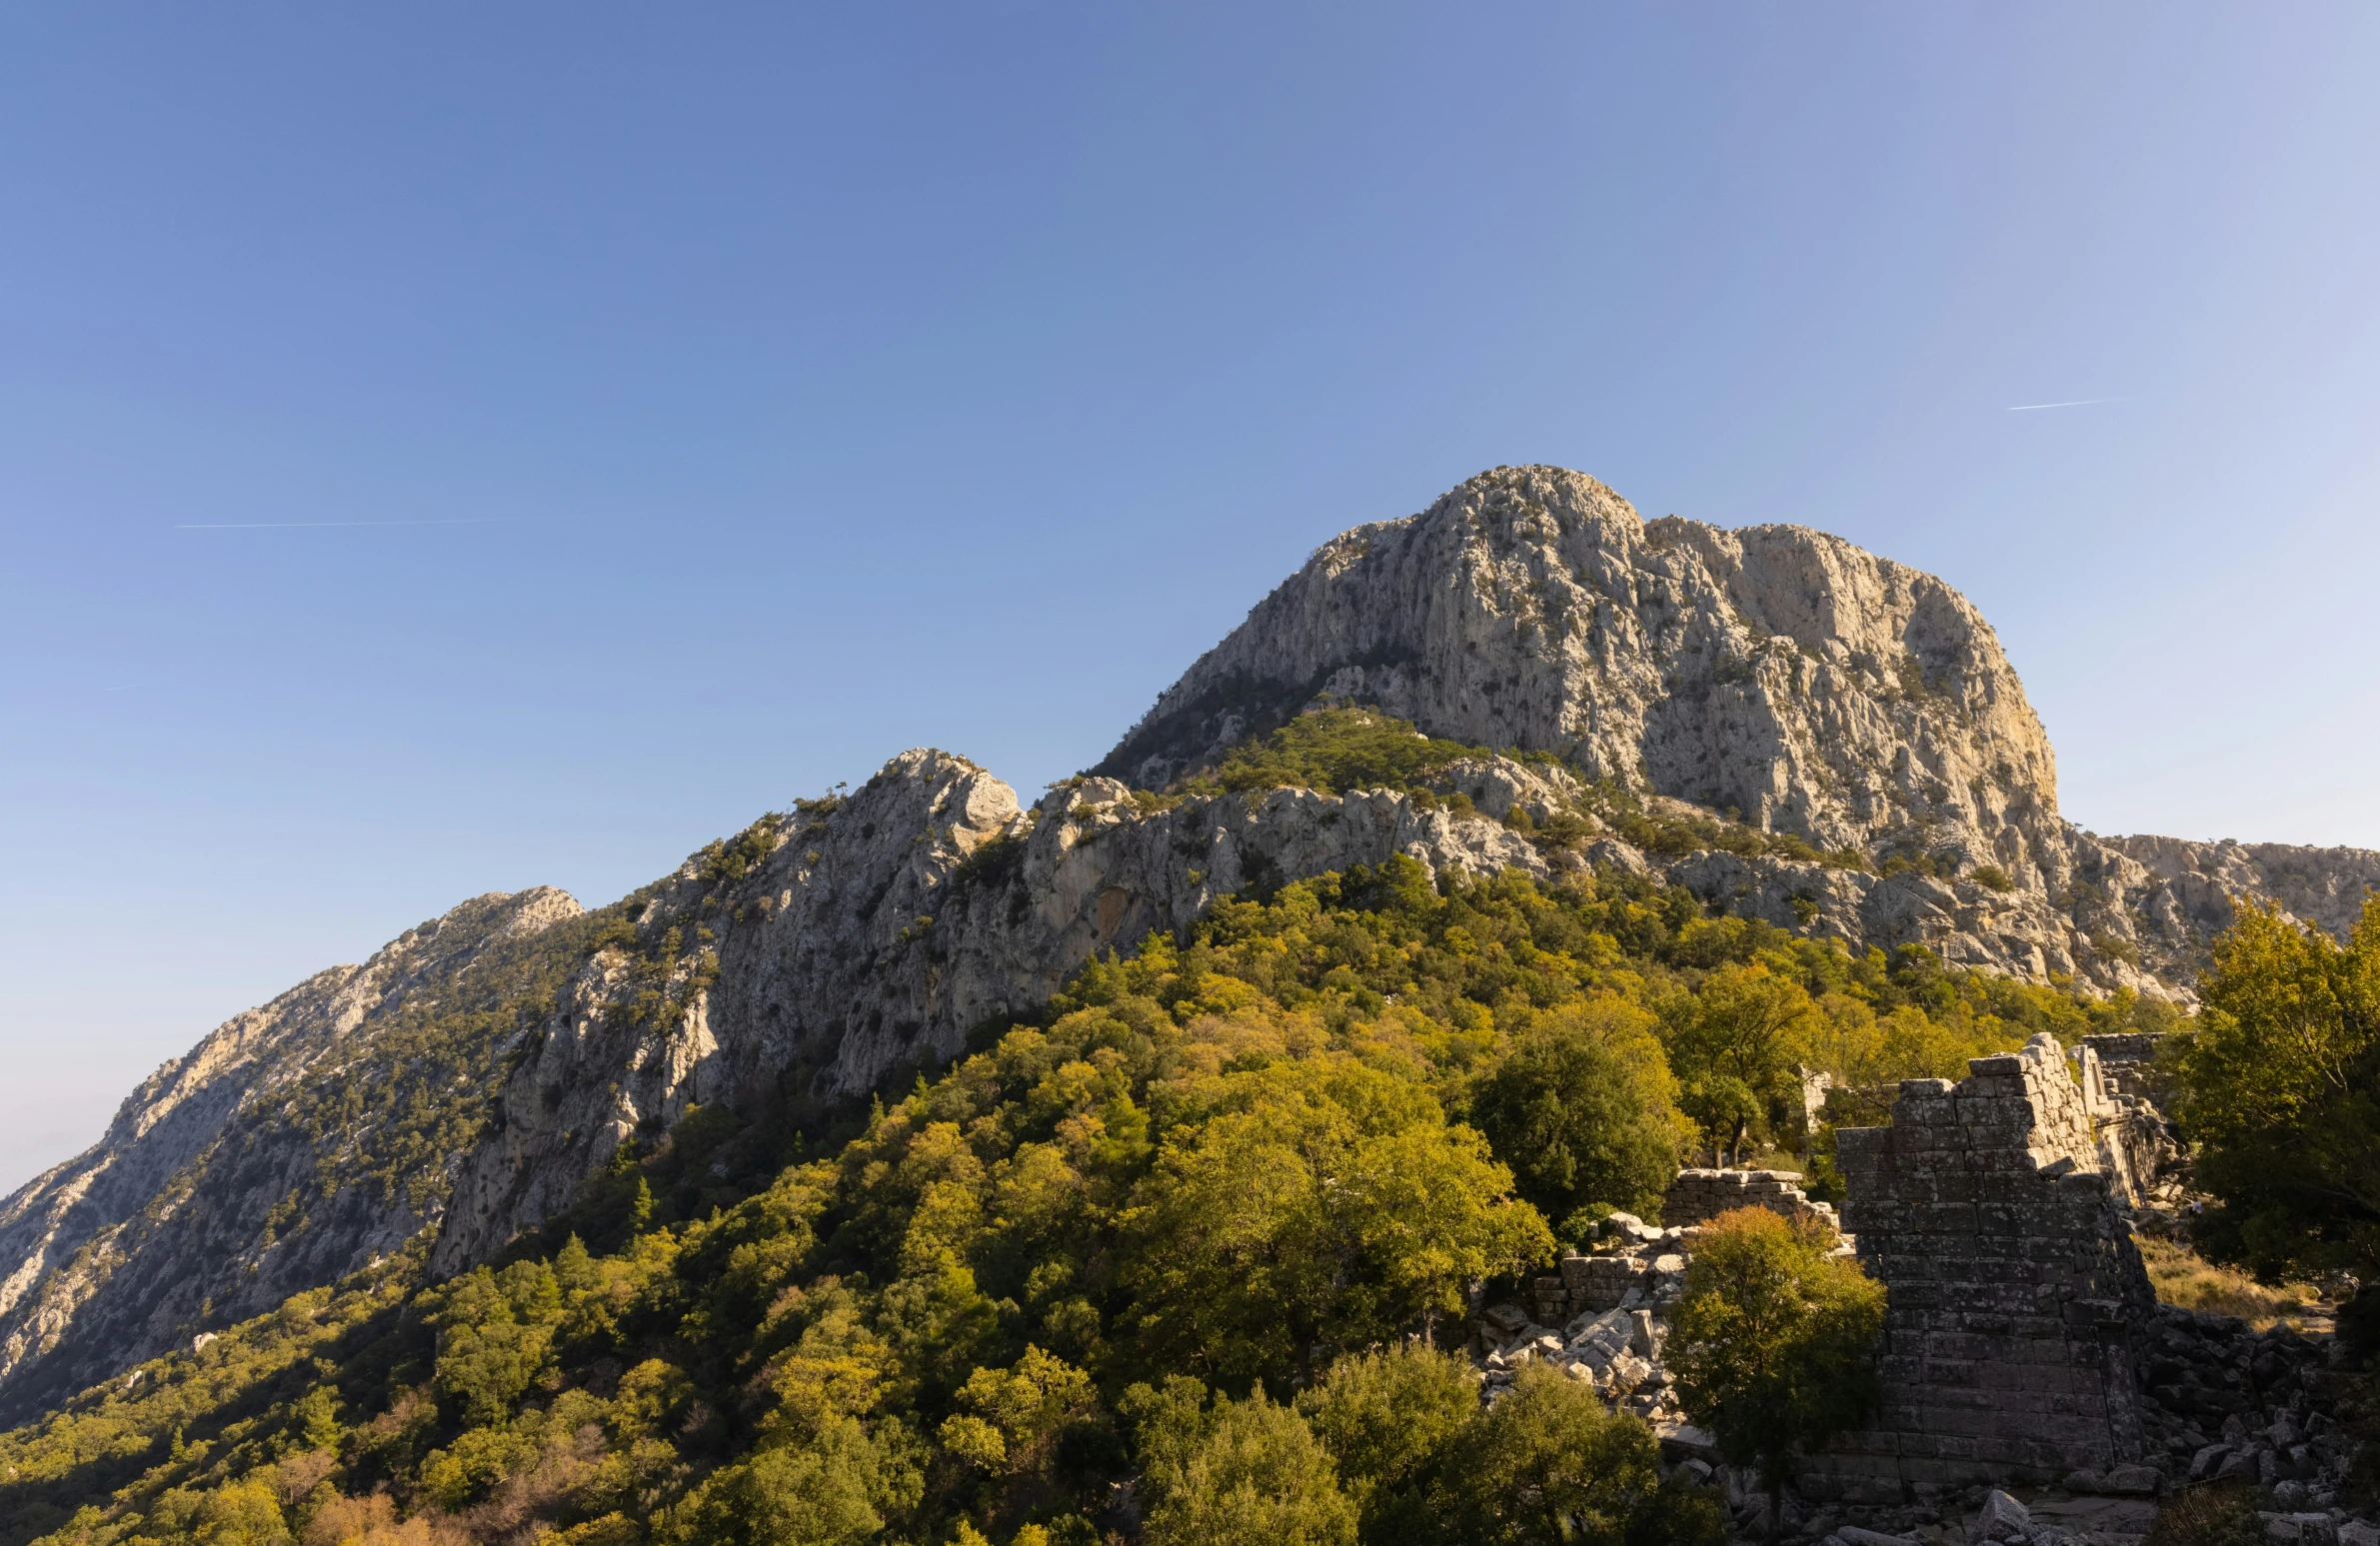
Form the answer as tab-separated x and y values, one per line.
2181	1276
2211	1516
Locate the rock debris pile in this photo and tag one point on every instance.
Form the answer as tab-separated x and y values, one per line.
2229	1404
1612	1311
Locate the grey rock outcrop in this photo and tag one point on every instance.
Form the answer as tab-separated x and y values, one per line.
2187	887
1774	673
1777	670
177	1211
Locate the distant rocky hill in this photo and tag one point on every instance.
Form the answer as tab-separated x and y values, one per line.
1772	719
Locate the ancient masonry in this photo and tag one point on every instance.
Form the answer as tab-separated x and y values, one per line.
2021	1341
1697	1196
1990	1210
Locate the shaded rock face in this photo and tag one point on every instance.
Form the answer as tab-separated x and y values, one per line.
106	1259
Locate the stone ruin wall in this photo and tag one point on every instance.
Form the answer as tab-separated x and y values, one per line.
2021	1343
1698	1196
1990	1209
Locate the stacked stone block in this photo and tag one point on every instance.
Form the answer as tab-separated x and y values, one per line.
2125	1047
2012	1283
1697	1196
1601	1282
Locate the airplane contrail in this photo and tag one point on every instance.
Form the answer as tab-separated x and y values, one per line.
2084	401
261	526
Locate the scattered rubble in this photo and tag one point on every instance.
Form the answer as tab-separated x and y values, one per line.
2225	1403
1612	1310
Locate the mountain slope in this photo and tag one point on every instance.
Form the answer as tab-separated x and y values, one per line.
1776	670
1771	722
873	934
291	1147
1221	1160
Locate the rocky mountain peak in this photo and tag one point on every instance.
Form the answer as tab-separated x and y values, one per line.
1775	673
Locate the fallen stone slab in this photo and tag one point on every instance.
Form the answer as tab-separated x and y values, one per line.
2300	1529
1505	1318
2237	1466
2096	1515
1684	1441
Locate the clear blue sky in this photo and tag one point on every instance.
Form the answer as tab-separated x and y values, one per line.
816	386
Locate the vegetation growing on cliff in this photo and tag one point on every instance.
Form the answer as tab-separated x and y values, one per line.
1330	751
1164	1231
1340	750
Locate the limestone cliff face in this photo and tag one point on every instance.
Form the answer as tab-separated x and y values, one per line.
179	1213
1776	670
2184	887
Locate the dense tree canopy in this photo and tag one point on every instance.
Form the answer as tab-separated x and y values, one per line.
1584	1103
1329	751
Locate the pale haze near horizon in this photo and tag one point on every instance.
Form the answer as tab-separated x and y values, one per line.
445	451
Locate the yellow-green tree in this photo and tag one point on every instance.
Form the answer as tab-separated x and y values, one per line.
1545	1464
2281	1083
1241	1473
1011	1416
1734	1043
1773	1344
1320	1201
1585	1109
834	1490
1385	1417
494	1332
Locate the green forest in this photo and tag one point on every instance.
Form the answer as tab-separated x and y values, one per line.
1171	1251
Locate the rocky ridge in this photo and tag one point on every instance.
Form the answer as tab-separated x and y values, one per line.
180	1213
1695	685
